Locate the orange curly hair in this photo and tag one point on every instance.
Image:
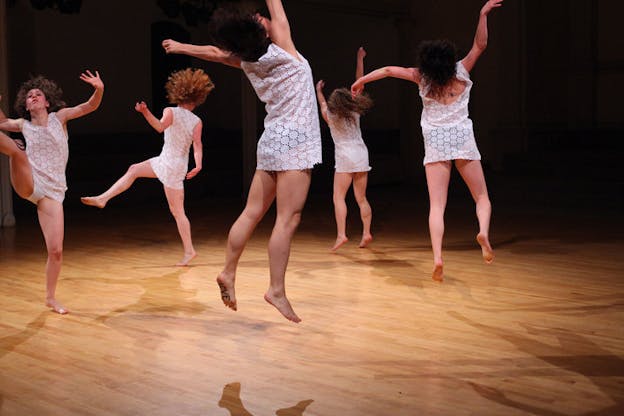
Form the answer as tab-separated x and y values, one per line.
188	86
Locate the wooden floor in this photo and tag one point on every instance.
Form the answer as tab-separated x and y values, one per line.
539	332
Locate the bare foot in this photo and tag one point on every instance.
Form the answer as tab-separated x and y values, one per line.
438	273
93	201
486	248
226	285
339	242
56	307
366	240
186	259
283	305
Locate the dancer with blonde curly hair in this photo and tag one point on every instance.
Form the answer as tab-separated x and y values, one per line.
38	163
342	113
188	89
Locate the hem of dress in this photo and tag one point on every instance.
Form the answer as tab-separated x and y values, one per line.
449	160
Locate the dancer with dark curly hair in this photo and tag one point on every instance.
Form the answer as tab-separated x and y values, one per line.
342	113
445	86
290	144
38	165
187	89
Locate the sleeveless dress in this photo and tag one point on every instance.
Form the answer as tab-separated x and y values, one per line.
447	131
171	166
292	134
351	153
47	151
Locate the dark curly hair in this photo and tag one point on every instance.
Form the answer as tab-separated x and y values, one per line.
188	86
437	63
238	31
342	103
50	89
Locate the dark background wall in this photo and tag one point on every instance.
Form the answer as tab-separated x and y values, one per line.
546	101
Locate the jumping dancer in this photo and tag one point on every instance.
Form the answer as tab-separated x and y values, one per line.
445	85
290	144
342	113
187	89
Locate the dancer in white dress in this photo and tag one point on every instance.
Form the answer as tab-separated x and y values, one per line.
290	144
445	91
188	89
38	165
342	114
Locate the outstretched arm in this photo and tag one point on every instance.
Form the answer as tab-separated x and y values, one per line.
409	74
280	27
88	106
205	52
321	99
481	37
158	125
8	124
359	66
197	151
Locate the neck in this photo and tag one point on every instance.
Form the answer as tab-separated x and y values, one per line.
39	117
187	106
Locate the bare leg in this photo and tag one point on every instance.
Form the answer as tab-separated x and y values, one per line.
21	171
342	182
138	170
52	225
175	198
291	192
472	172
260	198
360	181
438	176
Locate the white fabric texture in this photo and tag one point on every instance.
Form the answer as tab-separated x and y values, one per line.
171	166
292	135
447	130
350	152
47	151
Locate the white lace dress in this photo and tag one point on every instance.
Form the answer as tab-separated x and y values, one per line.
446	128
171	166
350	152
47	151
292	136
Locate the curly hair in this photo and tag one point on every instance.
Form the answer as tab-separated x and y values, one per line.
437	63
342	103
238	31
50	90
188	85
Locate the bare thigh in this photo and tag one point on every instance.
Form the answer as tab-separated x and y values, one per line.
342	182
51	221
292	191
438	177
472	173
360	182
261	194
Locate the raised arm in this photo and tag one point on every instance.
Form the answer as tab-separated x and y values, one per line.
481	36
280	27
197	151
409	74
205	52
88	106
158	125
359	66
321	99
